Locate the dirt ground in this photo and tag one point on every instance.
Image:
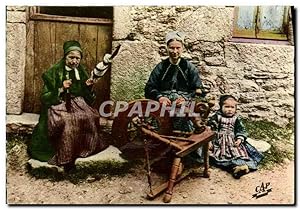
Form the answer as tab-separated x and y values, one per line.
220	188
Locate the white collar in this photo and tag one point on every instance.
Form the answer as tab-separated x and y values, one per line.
76	71
68	68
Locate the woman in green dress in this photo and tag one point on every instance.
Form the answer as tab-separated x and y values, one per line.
68	126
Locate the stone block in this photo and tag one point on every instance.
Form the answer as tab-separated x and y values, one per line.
122	22
131	69
110	157
15	67
16	17
206	23
111	154
214	60
261	58
260	145
16	8
21	124
36	164
248	86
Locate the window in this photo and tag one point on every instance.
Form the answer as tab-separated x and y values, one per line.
262	22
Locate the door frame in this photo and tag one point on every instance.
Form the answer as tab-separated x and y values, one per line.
33	16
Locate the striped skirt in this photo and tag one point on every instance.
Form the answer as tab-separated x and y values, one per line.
75	133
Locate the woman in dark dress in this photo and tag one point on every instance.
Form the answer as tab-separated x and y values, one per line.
174	80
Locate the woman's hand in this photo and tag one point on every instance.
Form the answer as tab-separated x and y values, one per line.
89	82
238	142
67	83
165	100
179	101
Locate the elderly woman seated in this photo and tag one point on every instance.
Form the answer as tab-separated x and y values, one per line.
68	126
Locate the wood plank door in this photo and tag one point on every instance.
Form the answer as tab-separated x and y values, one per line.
46	48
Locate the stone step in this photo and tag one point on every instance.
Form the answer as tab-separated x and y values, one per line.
108	161
21	124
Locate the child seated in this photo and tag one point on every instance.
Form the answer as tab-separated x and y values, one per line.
230	150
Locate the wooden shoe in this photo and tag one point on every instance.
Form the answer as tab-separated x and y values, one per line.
239	171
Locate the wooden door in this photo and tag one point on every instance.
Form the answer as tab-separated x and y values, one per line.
45	48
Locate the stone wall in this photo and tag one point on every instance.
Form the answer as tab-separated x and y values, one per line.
261	76
15	58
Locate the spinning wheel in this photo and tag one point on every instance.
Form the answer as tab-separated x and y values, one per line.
131	133
127	135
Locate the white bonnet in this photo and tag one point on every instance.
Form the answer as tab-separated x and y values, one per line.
175	35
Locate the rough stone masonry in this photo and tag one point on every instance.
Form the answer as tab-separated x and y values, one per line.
260	75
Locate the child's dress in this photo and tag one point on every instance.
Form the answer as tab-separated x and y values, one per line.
225	153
